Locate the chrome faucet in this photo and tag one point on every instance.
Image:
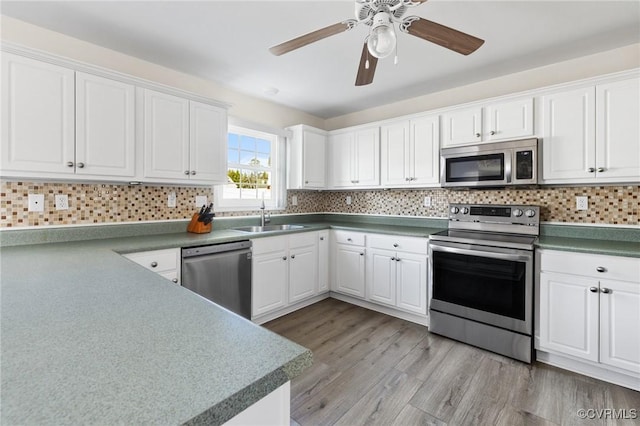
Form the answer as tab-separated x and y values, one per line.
264	219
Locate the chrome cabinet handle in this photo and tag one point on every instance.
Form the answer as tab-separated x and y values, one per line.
306	182
493	132
361	254
69	163
407	179
293	256
284	257
591	170
395	244
154	264
601	269
193	172
606	290
477	135
186	172
349	239
321	238
601	169
175	280
80	165
397	259
393	258
593	289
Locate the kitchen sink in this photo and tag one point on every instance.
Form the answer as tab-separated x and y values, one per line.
269	228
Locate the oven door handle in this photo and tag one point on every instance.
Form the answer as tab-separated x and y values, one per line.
482	253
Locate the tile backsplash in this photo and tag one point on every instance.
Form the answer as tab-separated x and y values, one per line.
112	203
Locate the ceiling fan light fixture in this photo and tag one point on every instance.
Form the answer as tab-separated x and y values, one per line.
382	39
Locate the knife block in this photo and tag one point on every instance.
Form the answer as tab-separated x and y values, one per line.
198	227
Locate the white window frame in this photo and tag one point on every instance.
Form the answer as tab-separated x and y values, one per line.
278	181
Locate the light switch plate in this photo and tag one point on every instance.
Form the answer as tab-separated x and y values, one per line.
171	199
427	201
348	199
294	200
36	202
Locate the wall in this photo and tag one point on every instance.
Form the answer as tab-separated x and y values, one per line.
242	106
107	203
615	60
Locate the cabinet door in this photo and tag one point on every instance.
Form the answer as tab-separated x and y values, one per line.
323	261
411	282
394	158
367	157
508	120
349	270
37	116
569	144
569	315
269	282
303	272
620	324
208	143
166	136
105	126
618	131
313	160
381	276
424	154
462	127
341	157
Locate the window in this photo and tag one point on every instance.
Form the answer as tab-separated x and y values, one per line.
252	171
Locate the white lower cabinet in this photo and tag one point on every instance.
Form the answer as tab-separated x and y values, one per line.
164	262
323	261
396	273
284	271
589	308
348	263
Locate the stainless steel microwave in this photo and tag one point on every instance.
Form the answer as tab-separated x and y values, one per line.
491	164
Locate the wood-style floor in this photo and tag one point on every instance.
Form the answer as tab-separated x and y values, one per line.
373	369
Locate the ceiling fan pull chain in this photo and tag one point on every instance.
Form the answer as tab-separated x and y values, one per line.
395	58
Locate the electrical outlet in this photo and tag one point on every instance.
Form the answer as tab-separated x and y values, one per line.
294	200
427	201
201	200
582	203
36	202
62	201
348	199
171	199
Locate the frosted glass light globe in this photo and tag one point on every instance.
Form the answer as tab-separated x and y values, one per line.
382	41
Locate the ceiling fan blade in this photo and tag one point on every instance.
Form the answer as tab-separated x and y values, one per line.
439	34
365	75
313	36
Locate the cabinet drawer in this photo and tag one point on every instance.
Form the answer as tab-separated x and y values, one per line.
350	238
157	260
615	267
303	239
269	244
392	242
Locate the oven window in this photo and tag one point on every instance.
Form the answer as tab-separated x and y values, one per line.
476	168
491	285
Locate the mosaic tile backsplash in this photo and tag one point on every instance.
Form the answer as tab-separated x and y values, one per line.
111	203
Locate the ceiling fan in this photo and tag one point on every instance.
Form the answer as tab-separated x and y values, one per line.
380	15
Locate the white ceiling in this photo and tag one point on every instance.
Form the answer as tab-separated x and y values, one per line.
228	41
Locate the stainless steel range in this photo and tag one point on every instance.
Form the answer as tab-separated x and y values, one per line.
481	277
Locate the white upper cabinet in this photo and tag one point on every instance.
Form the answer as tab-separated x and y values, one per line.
184	141
105	126
410	152
306	154
592	134
509	119
208	147
355	158
618	131
37	117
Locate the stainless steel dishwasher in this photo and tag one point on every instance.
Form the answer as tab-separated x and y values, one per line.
220	273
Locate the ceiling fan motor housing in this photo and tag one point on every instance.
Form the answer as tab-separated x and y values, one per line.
367	9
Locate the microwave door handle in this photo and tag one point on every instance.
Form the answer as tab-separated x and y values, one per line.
508	160
481	253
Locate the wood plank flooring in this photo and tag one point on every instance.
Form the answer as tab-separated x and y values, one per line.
373	369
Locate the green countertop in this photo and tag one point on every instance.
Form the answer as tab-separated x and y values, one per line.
90	337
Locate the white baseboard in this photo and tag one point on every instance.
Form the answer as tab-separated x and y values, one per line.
284	311
418	319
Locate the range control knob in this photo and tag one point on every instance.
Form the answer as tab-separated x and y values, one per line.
454	210
465	210
517	212
530	213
